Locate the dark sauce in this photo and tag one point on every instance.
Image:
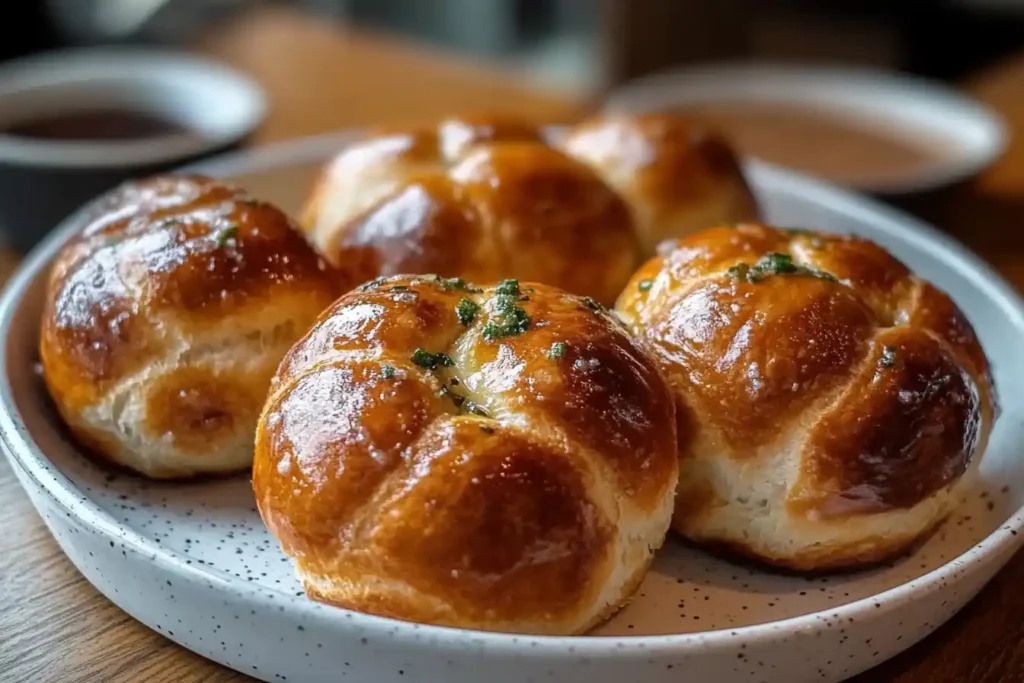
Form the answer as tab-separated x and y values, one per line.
96	124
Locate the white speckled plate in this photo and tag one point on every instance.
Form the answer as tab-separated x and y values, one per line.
195	563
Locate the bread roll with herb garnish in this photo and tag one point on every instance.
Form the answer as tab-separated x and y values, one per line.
500	459
484	199
829	400
166	317
678	176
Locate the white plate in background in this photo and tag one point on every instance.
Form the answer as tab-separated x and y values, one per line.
195	563
963	136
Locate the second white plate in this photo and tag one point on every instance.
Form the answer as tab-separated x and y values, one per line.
963	136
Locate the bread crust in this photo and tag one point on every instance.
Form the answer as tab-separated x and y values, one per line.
482	198
677	175
166	317
515	483
835	399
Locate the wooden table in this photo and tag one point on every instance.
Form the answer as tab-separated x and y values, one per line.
55	627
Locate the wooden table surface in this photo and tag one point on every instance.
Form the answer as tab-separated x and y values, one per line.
55	627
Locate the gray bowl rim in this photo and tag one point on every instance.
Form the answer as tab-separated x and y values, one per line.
45	70
695	84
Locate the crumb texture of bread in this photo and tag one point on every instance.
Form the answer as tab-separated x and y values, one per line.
829	400
166	317
484	198
498	458
677	175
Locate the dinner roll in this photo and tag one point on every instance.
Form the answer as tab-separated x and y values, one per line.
500	459
484	199
678	176
166	317
833	399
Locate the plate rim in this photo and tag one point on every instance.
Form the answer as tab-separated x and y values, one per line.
658	88
25	455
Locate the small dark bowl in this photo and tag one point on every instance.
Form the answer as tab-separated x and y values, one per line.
42	180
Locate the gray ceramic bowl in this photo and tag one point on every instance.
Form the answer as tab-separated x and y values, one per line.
44	180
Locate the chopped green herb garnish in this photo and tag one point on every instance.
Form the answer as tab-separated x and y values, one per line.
508	287
507	317
590	303
426	359
387	372
557	350
797	231
739	271
453	283
645	285
227	235
504	304
514	323
398	288
776	264
888	358
466	311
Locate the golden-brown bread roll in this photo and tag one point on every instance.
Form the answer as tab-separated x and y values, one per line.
678	176
500	459
829	399
481	199
166	317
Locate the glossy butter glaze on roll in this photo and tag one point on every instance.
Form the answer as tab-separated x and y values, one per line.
678	176
481	199
830	400
500	459
166	317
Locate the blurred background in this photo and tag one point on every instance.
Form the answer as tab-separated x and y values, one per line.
584	45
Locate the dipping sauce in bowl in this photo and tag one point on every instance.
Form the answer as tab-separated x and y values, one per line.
828	143
97	124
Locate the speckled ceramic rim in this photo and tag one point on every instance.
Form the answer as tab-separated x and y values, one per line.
27	456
